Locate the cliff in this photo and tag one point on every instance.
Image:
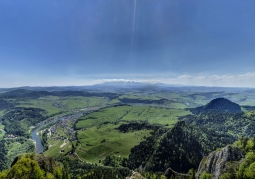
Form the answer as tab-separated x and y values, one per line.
218	162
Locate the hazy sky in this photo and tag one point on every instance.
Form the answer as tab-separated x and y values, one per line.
79	42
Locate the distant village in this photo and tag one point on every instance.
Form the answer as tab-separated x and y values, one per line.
11	136
66	123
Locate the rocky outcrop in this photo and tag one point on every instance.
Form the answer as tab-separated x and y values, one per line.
171	174
216	163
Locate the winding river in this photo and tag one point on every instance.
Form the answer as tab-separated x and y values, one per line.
38	146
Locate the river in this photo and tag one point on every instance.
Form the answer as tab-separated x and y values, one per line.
38	146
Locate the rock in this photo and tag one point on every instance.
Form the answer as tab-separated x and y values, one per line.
170	173
216	163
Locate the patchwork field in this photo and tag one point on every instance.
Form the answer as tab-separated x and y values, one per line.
54	104
96	142
95	135
154	115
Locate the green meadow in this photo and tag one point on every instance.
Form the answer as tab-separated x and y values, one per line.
1	131
96	142
98	136
55	147
154	115
1	113
53	105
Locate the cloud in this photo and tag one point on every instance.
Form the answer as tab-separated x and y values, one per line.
239	80
242	80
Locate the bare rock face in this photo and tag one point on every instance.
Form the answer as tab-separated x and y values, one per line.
216	162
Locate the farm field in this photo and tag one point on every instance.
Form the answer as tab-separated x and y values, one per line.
54	105
95	136
154	115
55	147
96	142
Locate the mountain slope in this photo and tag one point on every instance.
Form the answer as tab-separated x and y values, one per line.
221	105
30	166
223	116
218	162
180	148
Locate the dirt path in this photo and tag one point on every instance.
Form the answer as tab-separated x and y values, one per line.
62	145
78	156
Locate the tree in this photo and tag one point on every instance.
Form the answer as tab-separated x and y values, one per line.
192	173
250	172
253	144
26	168
226	176
206	175
244	141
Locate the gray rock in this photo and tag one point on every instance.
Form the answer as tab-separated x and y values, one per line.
216	162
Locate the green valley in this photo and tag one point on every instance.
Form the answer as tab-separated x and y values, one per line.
154	133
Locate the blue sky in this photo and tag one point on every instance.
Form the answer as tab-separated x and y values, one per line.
79	42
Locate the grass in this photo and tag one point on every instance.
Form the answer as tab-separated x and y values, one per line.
96	132
55	143
1	113
15	148
98	142
154	115
1	134
53	105
99	137
82	102
1	131
42	104
54	149
114	101
111	114
142	97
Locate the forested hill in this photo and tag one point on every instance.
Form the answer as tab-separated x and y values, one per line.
22	93
180	148
31	166
18	120
220	105
223	116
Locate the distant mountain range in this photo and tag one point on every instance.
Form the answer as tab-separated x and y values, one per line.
101	86
114	85
133	84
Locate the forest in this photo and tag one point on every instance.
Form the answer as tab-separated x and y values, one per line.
119	135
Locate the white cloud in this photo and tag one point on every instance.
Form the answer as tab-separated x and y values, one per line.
242	80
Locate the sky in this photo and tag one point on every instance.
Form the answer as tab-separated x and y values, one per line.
83	42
